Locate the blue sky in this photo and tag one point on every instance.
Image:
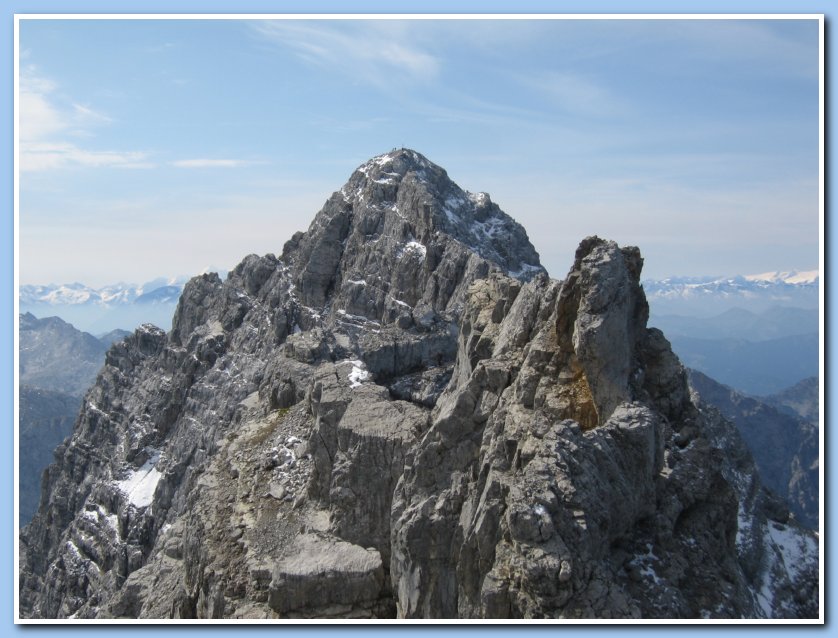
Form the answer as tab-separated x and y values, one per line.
161	147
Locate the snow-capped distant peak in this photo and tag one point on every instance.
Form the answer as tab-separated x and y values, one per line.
686	295
786	277
165	290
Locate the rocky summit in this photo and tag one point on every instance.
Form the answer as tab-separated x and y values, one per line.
403	416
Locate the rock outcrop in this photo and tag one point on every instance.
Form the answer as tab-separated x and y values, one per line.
383	422
568	472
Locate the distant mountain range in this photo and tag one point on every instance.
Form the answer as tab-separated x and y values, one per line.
705	296
157	291
127	306
99	310
757	368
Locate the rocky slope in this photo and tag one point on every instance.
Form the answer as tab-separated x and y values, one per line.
785	447
381	423
802	399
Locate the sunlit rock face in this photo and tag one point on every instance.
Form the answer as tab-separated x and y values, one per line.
402	415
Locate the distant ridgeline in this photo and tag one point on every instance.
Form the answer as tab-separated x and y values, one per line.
99	310
57	365
758	334
707	296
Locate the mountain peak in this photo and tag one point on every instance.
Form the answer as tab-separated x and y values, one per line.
398	161
381	423
402	227
786	277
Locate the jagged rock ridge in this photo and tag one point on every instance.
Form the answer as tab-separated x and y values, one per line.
381	422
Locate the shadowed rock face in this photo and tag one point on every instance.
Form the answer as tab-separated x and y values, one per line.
382	422
784	446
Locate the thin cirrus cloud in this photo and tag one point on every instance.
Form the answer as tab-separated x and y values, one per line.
45	155
212	163
575	93
45	122
378	53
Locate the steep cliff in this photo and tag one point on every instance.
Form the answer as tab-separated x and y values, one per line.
383	422
569	473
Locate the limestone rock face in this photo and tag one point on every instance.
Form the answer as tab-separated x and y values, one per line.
288	366
568	473
402	415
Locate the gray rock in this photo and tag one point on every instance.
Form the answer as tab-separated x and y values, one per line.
556	474
320	573
552	481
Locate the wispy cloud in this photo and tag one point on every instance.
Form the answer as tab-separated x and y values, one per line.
774	46
41	156
380	53
85	114
574	93
212	163
39	118
47	121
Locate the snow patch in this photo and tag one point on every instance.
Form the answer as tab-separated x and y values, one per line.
140	484
100	516
645	563
795	548
358	374
401	303
74	550
382	160
357	319
524	271
478	198
95	408
412	247
744	528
